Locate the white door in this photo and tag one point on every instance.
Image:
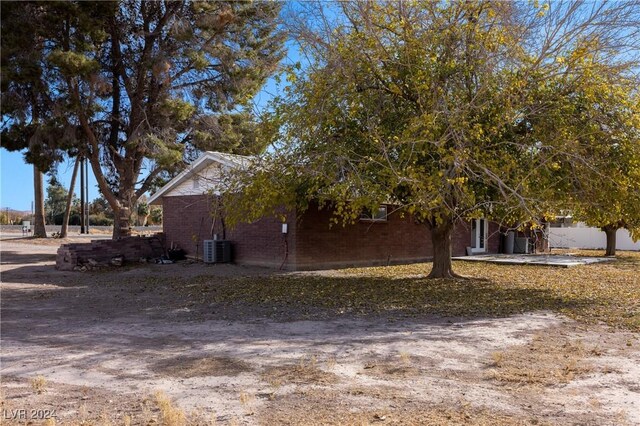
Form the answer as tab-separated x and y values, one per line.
479	230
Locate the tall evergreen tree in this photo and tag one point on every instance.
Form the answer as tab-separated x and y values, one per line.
26	104
146	84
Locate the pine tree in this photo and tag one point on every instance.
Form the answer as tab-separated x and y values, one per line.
142	85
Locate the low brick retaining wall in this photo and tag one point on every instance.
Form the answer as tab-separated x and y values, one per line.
98	253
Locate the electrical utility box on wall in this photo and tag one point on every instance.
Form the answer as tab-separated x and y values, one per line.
217	251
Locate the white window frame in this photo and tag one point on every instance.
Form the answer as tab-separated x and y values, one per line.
364	217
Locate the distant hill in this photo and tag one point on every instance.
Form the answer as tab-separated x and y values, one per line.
9	215
14	211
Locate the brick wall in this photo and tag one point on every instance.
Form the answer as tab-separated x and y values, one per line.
191	219
310	241
395	241
262	243
185	220
102	251
494	237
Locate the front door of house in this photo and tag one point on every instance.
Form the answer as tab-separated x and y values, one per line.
479	229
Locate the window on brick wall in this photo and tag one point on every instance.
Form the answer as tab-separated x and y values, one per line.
379	215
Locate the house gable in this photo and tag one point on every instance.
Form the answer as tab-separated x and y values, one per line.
197	182
200	177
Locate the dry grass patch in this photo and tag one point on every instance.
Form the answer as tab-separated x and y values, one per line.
170	415
188	367
38	384
323	407
246	398
305	372
546	361
331	363
381	392
162	410
94	406
395	368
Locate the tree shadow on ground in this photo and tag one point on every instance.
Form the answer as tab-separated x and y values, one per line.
18	258
240	316
306	296
281	298
239	293
128	315
39	269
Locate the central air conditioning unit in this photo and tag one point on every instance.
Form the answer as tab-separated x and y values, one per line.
521	245
217	251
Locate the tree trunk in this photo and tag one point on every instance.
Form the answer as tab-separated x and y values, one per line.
122	222
441	242
83	182
39	229
610	231
67	212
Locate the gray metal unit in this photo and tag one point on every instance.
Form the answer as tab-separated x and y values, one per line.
521	245
208	251
217	251
509	242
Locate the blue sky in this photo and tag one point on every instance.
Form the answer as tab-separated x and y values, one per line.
16	181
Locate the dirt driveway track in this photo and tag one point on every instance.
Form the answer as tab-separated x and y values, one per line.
144	343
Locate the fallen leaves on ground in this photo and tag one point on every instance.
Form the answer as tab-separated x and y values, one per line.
603	292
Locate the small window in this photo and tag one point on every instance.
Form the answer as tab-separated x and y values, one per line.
378	216
196	182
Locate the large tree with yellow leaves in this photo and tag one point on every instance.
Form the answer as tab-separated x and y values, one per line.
605	191
447	110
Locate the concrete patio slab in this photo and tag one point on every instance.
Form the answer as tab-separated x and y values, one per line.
563	261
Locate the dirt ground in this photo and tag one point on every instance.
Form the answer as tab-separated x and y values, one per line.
127	346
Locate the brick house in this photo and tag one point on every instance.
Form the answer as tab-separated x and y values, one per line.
307	241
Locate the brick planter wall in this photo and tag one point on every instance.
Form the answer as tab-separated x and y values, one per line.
71	256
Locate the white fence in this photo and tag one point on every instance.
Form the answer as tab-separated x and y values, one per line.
589	238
